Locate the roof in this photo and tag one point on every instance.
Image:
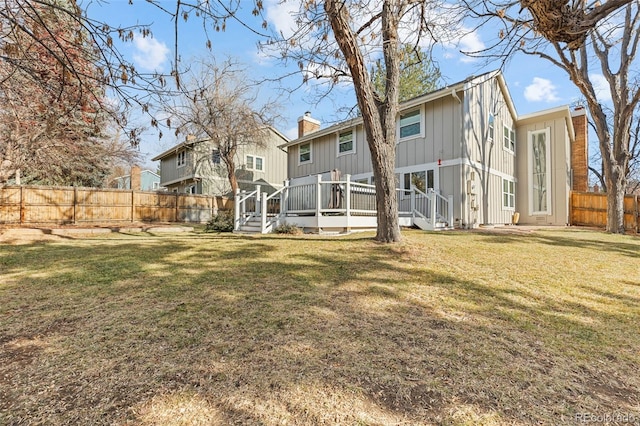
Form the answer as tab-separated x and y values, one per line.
413	102
562	111
186	144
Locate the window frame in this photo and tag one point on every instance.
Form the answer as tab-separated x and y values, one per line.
491	127
509	139
509	194
254	162
310	160
531	170
181	158
421	122
215	155
352	130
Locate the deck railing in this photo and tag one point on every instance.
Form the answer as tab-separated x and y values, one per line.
314	197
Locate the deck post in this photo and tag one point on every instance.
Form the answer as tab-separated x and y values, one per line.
263	214
347	200
432	198
236	210
258	199
450	210
284	199
413	201
318	196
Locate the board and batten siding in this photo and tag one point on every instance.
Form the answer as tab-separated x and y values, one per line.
488	161
324	156
559	145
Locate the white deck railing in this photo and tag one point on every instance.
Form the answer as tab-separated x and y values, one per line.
331	203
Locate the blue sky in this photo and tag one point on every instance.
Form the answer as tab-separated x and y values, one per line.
534	84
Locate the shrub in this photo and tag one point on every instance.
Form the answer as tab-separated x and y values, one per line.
222	222
287	228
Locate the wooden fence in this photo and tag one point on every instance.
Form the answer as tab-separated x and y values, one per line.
590	209
38	204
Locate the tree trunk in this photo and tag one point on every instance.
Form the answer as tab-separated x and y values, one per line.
616	185
378	117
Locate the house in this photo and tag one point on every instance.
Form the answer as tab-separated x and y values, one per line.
464	158
195	166
143	180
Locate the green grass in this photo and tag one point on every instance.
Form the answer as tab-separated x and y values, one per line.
447	328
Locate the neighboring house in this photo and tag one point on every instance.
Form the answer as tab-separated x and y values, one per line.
195	166
143	180
467	143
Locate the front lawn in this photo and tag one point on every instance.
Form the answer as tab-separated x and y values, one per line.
448	328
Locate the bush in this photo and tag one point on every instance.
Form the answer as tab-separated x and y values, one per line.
222	222
287	228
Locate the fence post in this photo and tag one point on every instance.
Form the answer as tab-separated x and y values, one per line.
637	212
21	204
133	210
75	204
177	215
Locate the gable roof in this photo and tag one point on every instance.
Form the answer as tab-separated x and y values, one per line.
449	90
187	144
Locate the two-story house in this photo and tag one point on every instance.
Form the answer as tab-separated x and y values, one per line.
467	143
195	166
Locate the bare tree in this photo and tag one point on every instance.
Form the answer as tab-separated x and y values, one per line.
336	40
220	106
581	38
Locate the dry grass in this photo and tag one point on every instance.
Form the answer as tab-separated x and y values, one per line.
449	328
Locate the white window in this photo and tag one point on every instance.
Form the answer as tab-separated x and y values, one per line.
346	142
181	158
492	123
254	163
156	185
410	124
191	189
508	194
539	173
509	139
304	153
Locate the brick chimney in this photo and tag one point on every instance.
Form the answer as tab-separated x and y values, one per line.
136	182
580	150
307	124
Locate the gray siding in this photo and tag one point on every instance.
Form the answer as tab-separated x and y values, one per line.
212	178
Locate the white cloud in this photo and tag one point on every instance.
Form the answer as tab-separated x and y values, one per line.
150	54
601	87
470	42
281	16
541	90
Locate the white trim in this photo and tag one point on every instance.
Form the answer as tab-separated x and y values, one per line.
509	208
530	134
254	162
420	134
506	128
353	141
310	160
184	160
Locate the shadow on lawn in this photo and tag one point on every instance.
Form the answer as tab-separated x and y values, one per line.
631	249
256	335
